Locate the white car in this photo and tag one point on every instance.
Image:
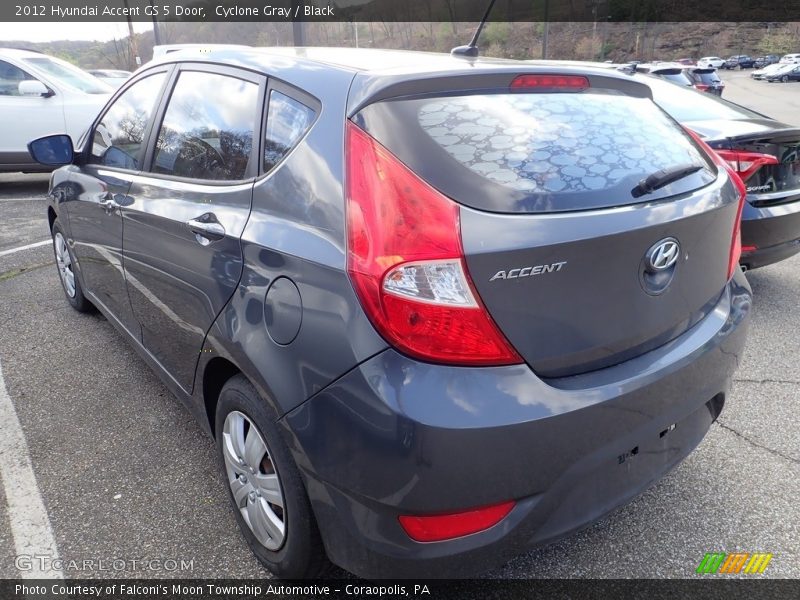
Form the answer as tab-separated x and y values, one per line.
768	70
41	95
113	77
790	59
714	62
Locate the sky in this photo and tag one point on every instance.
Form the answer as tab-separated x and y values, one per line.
48	32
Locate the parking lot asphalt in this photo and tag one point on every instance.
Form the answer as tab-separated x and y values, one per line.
125	472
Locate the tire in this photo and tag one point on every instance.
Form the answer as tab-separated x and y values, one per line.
70	278
785	79
294	551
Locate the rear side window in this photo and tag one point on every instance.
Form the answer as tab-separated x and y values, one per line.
537	152
207	131
287	121
117	139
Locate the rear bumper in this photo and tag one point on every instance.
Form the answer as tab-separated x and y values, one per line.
396	436
773	230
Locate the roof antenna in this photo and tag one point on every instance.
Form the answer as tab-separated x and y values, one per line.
471	49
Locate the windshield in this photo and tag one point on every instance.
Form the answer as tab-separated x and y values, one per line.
688	105
69	75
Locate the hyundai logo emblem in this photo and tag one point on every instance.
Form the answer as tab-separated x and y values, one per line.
662	255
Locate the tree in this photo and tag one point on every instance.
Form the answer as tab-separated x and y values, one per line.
777	42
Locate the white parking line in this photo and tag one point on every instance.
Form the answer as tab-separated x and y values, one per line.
30	525
21	248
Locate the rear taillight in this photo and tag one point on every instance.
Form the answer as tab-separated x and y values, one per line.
701	86
736	242
746	163
407	265
567	83
436	528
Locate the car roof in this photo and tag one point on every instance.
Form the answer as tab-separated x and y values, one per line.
356	60
349	59
20	52
369	74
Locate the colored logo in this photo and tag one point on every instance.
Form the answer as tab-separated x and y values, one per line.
739	562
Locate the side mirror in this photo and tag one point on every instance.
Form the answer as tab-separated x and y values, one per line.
33	87
53	150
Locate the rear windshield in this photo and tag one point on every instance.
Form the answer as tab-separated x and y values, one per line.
680	78
537	152
706	76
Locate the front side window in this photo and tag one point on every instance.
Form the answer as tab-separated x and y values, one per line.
10	78
207	132
118	138
287	121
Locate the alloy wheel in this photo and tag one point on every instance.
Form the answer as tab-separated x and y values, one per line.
254	481
64	263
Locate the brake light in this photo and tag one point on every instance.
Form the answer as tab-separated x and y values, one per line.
702	87
436	528
572	83
407	265
736	241
746	163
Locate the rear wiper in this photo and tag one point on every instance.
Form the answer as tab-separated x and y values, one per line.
663	177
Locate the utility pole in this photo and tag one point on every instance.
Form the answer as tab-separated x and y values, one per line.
546	29
298	28
156	32
132	40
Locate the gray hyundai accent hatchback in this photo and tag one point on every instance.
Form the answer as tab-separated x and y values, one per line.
434	311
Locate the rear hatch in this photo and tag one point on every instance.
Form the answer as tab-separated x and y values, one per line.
707	80
673	74
559	237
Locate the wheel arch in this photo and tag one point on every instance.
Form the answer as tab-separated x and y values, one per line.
51	217
216	373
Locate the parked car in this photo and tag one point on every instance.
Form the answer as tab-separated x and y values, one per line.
766	155
673	72
345	303
790	59
741	61
764	61
769	70
39	95
790	72
705	80
112	77
711	61
687	62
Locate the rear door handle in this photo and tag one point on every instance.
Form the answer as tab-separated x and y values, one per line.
206	228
